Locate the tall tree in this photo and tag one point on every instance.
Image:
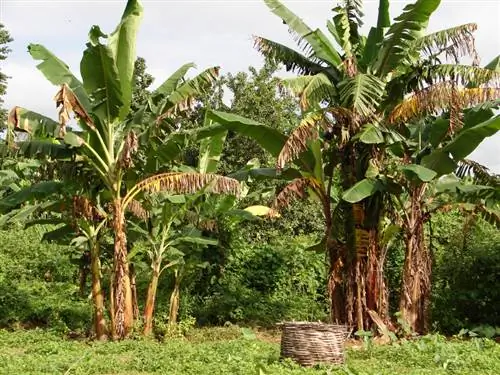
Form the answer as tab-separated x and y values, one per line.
5	39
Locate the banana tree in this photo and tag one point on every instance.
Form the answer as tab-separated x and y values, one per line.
107	140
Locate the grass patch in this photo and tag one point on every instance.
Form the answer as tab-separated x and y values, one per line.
214	351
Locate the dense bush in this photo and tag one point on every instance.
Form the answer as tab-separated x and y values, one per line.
262	284
38	283
466	287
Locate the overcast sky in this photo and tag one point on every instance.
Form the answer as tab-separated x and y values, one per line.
207	32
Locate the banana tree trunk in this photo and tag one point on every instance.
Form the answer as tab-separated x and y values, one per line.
97	295
335	289
123	310
416	289
377	294
365	285
84	271
133	287
174	300
151	300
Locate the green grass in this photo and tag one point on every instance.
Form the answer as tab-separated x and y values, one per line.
232	351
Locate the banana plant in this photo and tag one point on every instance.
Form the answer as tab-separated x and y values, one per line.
165	230
106	138
416	181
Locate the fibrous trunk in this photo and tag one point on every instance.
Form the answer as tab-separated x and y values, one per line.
174	300
150	301
416	289
133	287
356	265
97	295
122	293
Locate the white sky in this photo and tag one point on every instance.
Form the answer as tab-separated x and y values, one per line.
207	32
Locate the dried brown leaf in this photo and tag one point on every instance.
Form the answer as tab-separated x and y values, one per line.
189	182
298	140
437	98
297	189
137	209
67	103
130	147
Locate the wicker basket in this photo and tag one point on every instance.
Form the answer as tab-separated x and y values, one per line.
312	343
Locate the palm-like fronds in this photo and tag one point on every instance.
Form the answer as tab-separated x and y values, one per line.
361	93
454	42
464	75
297	189
311	90
402	34
437	98
292	60
297	142
308	40
183	97
480	174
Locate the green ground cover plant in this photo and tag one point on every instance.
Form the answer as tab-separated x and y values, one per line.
231	351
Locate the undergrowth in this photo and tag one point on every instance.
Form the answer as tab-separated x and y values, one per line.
232	350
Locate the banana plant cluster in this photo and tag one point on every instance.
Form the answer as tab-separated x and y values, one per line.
360	97
106	137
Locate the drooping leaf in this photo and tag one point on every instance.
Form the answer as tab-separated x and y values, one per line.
185	183
172	82
183	97
437	98
269	139
467	140
370	134
35	124
58	73
292	60
440	162
454	42
363	189
311	90
315	40
37	191
298	189
299	139
197	240
419	172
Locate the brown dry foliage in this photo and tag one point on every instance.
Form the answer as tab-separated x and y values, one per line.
130	147
67	102
298	140
297	189
189	182
85	208
137	209
436	98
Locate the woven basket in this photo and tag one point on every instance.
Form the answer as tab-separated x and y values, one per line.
312	343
